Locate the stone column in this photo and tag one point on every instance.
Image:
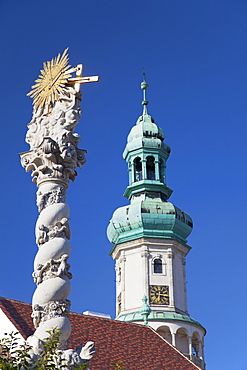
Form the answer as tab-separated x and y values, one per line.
173	339
144	169
52	158
132	174
190	345
202	348
163	172
157	170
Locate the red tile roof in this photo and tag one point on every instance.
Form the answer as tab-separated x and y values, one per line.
19	313
137	346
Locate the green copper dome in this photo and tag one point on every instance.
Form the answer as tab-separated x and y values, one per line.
145	134
149	218
159	315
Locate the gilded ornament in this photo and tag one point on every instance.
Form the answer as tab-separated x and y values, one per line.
54	77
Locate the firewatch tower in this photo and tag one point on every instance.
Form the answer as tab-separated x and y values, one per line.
149	243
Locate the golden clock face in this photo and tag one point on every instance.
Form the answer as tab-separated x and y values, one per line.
159	294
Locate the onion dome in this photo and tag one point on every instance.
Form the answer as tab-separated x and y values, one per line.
149	218
145	134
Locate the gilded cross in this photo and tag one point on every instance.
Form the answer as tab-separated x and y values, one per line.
81	80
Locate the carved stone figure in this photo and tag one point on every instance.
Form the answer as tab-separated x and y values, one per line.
42	235
63	265
82	355
61	228
51	269
39	272
36	315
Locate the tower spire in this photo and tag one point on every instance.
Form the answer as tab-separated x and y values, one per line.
144	87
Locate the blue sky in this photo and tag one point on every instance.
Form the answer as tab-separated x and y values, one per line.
195	56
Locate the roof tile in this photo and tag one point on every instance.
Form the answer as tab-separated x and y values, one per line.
138	347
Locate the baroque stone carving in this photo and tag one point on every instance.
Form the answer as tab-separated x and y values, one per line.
66	358
54	152
57	195
53	158
60	229
53	268
82	355
42	236
50	310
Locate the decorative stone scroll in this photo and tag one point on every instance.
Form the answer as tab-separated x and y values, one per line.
53	158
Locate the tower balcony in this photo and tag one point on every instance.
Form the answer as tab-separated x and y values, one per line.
197	360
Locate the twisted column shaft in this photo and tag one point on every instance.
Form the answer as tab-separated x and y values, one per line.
51	269
53	157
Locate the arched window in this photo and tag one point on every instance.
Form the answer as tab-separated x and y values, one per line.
182	341
150	168
195	344
165	332
158	266
138	169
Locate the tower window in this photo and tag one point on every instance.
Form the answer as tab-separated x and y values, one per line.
150	168
165	332
138	169
157	266
195	344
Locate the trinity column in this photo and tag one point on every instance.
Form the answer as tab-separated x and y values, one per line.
53	158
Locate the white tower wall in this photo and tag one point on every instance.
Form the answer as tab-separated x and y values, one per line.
135	273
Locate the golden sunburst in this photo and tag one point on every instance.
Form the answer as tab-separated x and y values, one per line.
54	76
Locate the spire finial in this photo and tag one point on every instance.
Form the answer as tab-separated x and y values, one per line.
144	87
145	310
